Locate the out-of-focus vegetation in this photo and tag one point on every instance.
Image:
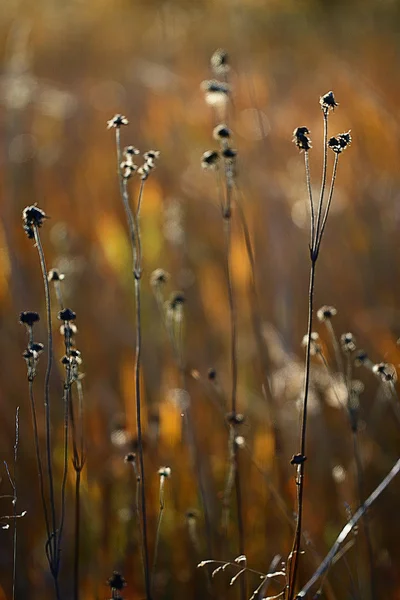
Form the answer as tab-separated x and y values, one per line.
65	69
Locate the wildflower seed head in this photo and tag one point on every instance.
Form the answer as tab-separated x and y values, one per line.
325	313
234	418
211	374
66	315
164	472
315	347
348	342
301	138
32	217
360	358
298	459
128	168
328	102
159	277
130	457
151	155
55	275
229	153
210	159
221	132
216	92
116	581
340	142
36	347
131	151
117	121
220	62
29	318
192	514
386	371
177	299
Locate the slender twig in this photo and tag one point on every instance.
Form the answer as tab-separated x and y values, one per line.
348	528
134	232
323	183
52	542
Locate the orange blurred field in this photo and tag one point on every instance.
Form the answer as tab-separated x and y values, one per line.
65	70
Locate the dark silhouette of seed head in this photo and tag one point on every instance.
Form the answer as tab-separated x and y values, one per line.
117	121
116	581
66	315
348	342
325	313
55	275
29	318
210	159
301	139
328	102
32	217
221	132
340	142
220	62
234	418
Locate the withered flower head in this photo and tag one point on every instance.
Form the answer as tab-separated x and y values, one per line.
386	371
348	342
130	457
325	313
177	299
37	347
116	581
328	102
29	318
360	358
220	62
164	472
66	315
340	142
159	277
117	121
210	159
151	155
211	374
55	275
301	139
221	132
314	343
32	216
229	153
131	151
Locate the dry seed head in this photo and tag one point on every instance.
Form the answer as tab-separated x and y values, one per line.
340	142
117	121
210	159
221	132
301	139
220	62
29	318
348	342
328	102
32	217
325	313
159	277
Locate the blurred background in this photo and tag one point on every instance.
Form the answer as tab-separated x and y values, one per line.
65	69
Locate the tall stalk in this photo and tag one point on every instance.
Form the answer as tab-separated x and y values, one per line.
317	228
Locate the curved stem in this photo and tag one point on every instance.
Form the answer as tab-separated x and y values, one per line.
323	184
328	204
53	538
310	198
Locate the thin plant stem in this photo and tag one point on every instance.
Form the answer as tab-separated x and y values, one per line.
53	540
234	365
295	553
328	203
77	529
134	231
336	348
14	486
38	457
323	183
310	198
158	530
